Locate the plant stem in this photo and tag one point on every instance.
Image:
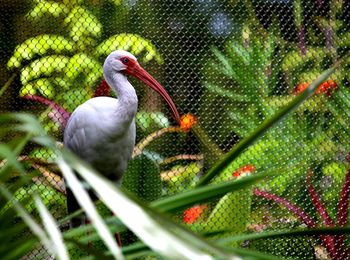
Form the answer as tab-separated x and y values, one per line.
148	139
300	213
212	150
7	84
194	157
342	213
316	201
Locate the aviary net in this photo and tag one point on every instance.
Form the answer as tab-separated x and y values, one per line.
229	66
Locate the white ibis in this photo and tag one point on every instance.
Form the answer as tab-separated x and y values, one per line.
102	130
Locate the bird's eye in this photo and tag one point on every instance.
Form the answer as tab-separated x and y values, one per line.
125	60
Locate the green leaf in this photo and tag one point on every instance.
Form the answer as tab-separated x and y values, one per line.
11	157
228	69
39	45
44	86
151	121
220	91
288	233
83	69
181	177
232	212
16	249
132	43
82	22
52	229
86	203
43	153
44	67
44	8
294	59
74	97
142	178
204	194
29	220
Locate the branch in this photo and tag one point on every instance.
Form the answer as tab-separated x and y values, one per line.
148	139
194	157
327	220
343	204
62	116
300	213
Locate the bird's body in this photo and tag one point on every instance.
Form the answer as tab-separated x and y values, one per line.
102	130
111	139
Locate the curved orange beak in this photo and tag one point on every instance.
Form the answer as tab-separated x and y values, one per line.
134	69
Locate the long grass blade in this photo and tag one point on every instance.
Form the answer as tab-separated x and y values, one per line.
35	228
287	233
86	203
7	84
158	232
204	194
52	229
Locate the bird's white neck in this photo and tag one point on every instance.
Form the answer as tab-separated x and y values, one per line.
127	98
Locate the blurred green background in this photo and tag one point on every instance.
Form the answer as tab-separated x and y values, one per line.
232	64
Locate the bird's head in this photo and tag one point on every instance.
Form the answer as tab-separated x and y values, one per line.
124	62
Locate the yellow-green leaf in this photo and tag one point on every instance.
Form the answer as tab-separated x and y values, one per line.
43	67
44	8
39	45
132	43
294	59
82	23
82	64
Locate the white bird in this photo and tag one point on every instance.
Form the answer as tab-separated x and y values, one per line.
102	130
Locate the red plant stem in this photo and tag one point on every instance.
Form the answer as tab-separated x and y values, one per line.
327	240
343	206
300	213
102	89
315	198
301	40
64	113
334	244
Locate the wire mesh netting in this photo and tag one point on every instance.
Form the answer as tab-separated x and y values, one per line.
228	66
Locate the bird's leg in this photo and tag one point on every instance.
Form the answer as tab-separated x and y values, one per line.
118	239
87	221
73	206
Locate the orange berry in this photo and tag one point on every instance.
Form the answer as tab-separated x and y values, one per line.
187	121
301	87
244	170
192	214
327	87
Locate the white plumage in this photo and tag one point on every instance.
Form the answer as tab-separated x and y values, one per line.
104	142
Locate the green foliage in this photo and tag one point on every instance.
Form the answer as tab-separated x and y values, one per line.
288	248
328	38
142	178
232	213
59	67
151	121
244	78
136	216
181	178
244	68
67	68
